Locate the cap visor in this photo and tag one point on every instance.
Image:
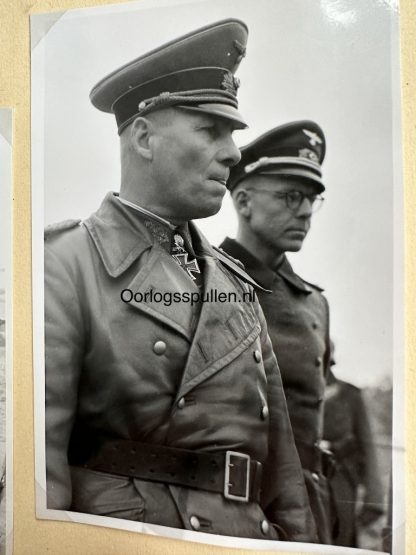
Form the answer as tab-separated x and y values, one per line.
221	111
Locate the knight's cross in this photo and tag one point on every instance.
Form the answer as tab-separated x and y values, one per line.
189	267
314	139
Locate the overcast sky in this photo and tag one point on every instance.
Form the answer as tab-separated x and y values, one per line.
330	61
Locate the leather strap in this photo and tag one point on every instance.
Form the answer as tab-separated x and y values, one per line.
233	474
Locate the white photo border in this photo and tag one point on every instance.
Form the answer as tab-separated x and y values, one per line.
39	55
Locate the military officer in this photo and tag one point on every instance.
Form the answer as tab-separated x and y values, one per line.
276	187
348	434
171	414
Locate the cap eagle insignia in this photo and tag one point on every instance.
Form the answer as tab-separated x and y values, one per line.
314	139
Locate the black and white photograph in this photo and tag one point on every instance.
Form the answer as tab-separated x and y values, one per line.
217	221
6	395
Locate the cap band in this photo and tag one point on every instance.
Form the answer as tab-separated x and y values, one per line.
191	86
266	161
279	165
296	172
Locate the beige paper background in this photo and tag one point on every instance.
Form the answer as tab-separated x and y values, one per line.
39	537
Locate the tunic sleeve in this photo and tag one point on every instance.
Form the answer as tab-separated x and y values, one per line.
64	345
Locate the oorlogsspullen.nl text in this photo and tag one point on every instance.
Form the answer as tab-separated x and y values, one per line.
195	297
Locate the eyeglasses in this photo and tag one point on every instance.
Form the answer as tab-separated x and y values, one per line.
294	199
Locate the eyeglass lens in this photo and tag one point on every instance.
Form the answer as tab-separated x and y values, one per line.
294	200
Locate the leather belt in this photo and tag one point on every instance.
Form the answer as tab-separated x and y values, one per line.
231	473
316	459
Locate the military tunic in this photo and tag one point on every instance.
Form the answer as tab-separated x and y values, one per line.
297	317
168	375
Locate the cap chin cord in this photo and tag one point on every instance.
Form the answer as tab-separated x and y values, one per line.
185	98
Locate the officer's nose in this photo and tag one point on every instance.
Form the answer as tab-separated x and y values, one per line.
229	153
305	209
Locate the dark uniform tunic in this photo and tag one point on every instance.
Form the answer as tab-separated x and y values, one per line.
348	434
198	378
298	322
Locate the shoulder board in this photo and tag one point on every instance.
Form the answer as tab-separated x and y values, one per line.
60	227
237	268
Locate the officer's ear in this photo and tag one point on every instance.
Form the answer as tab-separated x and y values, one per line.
241	199
141	132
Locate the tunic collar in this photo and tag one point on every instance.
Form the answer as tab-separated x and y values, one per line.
121	237
162	229
147	213
262	273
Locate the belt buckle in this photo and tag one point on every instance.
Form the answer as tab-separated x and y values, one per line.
229	455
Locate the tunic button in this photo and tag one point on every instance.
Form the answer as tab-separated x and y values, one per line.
194	520
318	361
264	525
265	412
159	347
181	403
315	476
257	355
315	325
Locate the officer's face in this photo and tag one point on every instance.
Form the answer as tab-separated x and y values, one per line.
191	160
274	224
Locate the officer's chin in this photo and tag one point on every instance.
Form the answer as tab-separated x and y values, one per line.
294	246
208	210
